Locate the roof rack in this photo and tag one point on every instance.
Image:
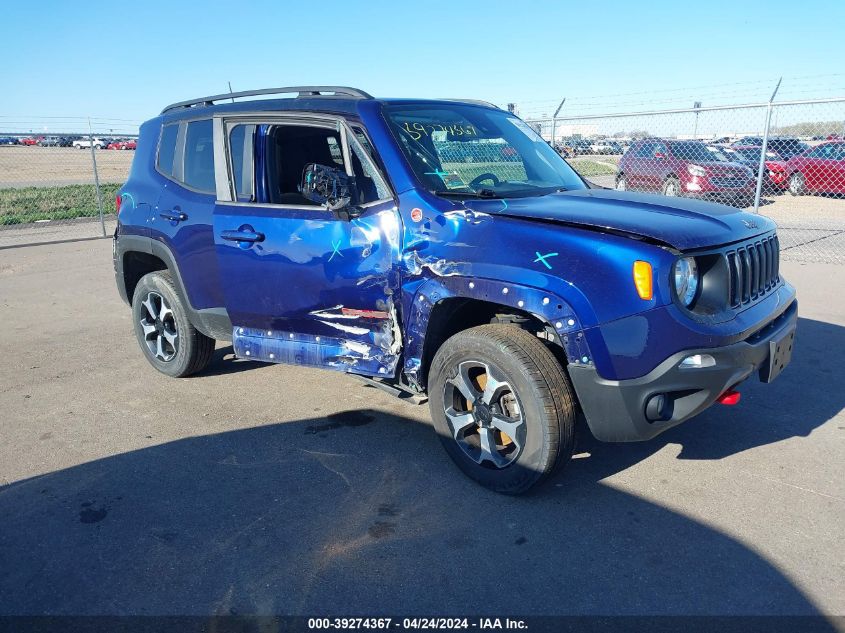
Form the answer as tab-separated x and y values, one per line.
301	91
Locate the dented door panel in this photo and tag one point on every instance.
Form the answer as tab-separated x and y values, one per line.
312	289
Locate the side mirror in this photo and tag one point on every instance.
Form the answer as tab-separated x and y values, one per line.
328	186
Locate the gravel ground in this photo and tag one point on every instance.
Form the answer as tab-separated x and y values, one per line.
282	490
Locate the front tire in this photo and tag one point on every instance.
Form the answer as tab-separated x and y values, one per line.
168	339
502	406
797	184
621	183
671	187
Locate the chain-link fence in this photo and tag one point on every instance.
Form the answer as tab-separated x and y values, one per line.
60	185
783	160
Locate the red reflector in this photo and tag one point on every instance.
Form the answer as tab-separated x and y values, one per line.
729	397
117	202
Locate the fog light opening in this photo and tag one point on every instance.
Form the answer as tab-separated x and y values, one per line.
697	361
659	408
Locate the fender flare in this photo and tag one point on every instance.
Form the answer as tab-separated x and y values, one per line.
544	305
213	322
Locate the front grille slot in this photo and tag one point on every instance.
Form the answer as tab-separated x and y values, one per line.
753	270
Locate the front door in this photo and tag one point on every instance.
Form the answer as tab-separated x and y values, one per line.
303	284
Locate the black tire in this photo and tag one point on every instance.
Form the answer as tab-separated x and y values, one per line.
671	187
190	351
545	434
796	184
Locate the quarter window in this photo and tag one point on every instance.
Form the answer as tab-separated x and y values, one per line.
199	156
167	148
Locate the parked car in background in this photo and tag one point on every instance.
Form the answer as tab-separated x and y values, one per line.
605	146
775	165
748	140
820	169
29	141
722	140
50	141
84	143
786	147
683	168
582	146
8	140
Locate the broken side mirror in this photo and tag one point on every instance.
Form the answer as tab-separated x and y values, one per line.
330	187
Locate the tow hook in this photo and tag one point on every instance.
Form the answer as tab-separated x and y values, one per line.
730	397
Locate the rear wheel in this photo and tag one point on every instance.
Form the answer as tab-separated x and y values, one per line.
502	406
797	184
671	187
168	339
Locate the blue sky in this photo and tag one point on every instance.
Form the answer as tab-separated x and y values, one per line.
124	60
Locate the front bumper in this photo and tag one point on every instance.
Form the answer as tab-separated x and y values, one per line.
616	409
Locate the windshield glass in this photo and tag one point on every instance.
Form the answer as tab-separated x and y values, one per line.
753	153
691	151
475	151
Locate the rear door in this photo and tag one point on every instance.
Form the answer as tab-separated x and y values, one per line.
302	284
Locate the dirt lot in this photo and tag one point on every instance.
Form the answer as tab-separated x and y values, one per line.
34	166
281	490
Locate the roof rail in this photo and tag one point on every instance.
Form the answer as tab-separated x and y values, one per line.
474	102
301	91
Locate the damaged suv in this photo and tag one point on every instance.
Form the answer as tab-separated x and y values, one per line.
442	248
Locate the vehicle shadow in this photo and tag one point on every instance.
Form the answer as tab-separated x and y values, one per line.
362	513
224	362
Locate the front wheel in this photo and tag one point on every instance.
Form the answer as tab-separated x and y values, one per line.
502	406
671	187
621	183
797	184
168	339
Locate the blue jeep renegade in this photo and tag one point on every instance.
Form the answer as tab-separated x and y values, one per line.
443	248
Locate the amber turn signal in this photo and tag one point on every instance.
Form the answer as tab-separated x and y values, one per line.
642	279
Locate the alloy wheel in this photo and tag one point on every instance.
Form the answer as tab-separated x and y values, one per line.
159	326
484	414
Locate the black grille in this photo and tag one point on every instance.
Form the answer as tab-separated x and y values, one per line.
754	270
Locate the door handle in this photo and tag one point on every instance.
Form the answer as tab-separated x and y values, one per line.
173	216
242	236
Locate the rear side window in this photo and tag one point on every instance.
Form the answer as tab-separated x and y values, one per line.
199	156
167	148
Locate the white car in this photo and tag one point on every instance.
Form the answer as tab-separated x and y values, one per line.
85	143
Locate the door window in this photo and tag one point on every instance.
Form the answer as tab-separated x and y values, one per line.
276	156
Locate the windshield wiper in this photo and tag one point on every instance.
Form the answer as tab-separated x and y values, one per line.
484	193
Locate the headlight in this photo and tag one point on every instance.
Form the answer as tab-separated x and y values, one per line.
696	170
686	279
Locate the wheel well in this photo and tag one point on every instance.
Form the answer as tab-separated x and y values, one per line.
135	266
450	316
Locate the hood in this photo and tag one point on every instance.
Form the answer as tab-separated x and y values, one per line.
683	223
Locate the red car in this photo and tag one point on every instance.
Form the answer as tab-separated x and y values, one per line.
820	169
775	165
128	144
683	168
29	141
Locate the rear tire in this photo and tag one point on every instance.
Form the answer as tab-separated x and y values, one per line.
168	339
797	184
517	385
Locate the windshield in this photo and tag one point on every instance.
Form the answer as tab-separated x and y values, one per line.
692	151
753	153
475	151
